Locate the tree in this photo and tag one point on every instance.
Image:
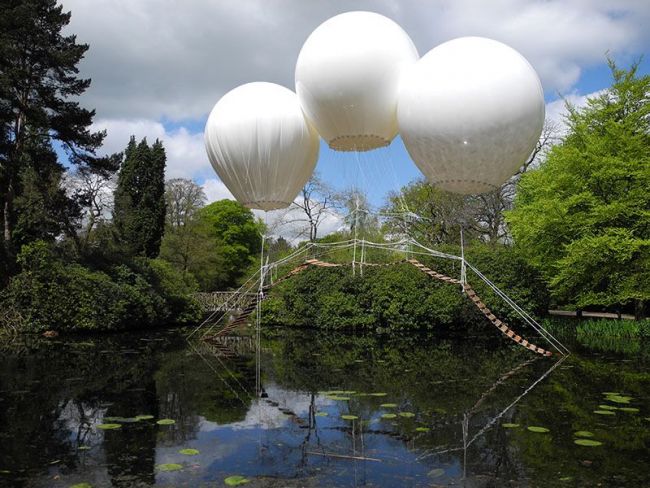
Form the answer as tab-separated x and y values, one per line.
315	201
184	245
38	107
236	239
359	216
139	213
582	218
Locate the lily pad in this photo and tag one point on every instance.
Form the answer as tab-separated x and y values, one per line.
349	392
509	426
407	415
81	485
334	392
108	426
388	416
321	414
587	442
583	433
422	429
349	417
144	417
236	480
388	405
566	478
629	409
436	473
540	430
83	448
618	398
379	394
166	422
338	398
189	452
607	407
604	412
169	467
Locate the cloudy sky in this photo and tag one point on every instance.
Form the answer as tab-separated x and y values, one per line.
159	66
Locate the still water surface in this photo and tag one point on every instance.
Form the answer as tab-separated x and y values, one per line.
419	411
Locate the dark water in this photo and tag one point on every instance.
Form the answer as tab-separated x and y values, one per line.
454	398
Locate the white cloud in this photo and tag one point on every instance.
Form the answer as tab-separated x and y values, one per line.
215	190
186	157
165	59
556	110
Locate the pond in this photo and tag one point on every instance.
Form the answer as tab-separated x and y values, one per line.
144	409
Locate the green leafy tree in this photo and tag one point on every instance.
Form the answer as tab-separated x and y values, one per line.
39	87
139	213
583	218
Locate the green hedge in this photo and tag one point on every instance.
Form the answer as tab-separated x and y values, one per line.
401	297
50	293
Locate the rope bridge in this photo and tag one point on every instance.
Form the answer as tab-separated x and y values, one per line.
245	302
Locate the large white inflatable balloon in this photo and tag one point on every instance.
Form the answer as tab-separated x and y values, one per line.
470	112
260	145
347	79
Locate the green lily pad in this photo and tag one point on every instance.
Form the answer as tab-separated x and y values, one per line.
349	417
607	407
321	414
236	480
587	442
540	430
108	426
349	392
379	394
189	452
407	415
81	485
436	473
5	471
334	392
83	448
338	398
629	409
166	422
583	433
144	417
566	478
604	412
388	405
509	426
169	467
618	398
422	429
388	416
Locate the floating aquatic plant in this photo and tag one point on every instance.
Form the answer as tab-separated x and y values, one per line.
379	394
629	409
388	405
83	448
166	422
618	398
144	417
189	452
583	433
338	398
604	412
236	480
587	442
169	467
81	485
321	414
539	430
607	407
349	417
388	416
407	415
611	393
108	426
509	425
422	429
436	473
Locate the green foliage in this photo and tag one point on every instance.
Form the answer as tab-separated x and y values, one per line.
52	294
139	213
400	297
583	217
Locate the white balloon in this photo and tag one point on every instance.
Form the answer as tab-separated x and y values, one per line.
260	145
347	79
470	112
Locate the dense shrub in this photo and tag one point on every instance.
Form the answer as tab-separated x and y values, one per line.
49	293
402	297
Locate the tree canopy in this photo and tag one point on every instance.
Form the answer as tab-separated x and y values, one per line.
583	217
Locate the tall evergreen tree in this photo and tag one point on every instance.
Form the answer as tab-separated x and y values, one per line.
38	79
139	213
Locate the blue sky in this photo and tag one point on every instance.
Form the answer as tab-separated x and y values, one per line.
158	66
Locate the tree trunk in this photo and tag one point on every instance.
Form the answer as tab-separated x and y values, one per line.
639	310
